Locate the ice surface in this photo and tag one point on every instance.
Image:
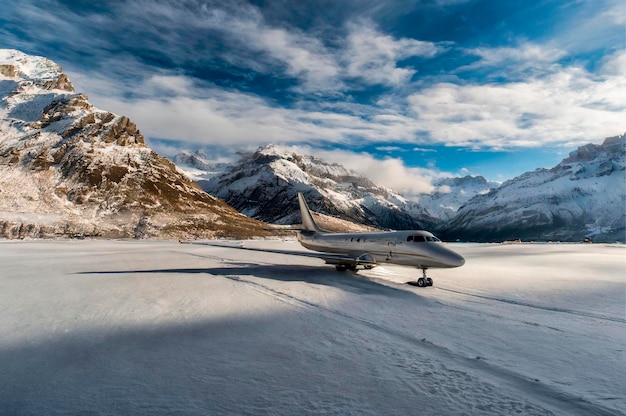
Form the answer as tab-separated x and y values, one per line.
134	328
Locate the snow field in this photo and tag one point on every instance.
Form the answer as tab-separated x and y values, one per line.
149	327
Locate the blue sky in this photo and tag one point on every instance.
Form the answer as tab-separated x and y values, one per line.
404	91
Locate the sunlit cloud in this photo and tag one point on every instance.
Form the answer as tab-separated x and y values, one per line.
566	106
373	56
509	62
391	173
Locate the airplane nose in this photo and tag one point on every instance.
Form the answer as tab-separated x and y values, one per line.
455	259
446	257
452	258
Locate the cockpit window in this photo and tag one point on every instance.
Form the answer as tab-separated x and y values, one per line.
421	238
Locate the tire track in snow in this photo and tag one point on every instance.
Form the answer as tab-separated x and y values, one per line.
530	305
555	400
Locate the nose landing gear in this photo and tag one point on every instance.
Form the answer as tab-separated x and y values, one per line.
423	281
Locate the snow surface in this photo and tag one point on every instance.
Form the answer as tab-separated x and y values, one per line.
150	327
30	67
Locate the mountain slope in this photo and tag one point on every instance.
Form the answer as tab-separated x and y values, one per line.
453	192
264	185
67	168
583	196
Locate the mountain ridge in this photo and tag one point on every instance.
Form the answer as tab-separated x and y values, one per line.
67	168
539	205
584	196
88	172
264	184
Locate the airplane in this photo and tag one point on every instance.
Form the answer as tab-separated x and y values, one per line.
348	251
417	248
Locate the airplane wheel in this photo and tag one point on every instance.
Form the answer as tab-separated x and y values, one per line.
341	267
429	281
421	282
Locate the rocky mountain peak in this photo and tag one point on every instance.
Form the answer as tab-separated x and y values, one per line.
593	160
611	148
583	196
34	70
264	184
87	170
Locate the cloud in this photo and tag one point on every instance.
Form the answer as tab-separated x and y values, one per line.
373	56
214	73
269	48
508	62
568	105
595	26
389	172
305	58
168	84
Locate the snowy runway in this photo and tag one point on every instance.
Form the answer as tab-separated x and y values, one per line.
126	327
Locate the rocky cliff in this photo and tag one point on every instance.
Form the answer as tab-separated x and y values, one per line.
67	168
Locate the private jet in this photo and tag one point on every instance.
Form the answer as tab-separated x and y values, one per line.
349	251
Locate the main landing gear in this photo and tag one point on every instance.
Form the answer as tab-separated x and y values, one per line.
423	281
344	267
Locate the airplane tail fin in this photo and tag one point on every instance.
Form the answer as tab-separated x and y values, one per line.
308	222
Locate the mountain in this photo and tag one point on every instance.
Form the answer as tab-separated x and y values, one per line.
67	168
453	192
583	196
197	165
264	184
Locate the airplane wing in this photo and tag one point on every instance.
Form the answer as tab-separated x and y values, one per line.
330	258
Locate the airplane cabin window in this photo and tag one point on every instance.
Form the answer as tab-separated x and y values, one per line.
419	238
409	238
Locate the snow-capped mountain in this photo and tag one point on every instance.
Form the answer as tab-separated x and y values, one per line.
583	196
453	192
264	184
67	168
197	165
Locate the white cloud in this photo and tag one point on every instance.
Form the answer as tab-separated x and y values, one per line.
389	172
373	56
172	84
615	65
571	105
596	26
553	105
304	57
515	59
367	54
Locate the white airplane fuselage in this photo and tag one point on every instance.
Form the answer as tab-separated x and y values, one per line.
417	248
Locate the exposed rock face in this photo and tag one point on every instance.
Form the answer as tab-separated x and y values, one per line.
67	168
583	196
264	185
8	70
